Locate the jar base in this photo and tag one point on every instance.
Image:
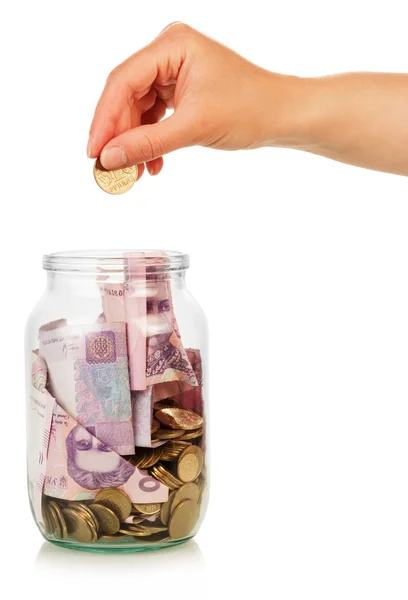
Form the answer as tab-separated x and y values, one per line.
119	548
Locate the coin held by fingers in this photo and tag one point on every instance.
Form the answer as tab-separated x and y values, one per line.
115	182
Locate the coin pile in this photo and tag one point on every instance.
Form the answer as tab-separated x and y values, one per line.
111	516
172	422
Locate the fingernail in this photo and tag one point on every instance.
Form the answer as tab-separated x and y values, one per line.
89	148
113	157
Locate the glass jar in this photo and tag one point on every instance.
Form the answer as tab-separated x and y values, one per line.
116	402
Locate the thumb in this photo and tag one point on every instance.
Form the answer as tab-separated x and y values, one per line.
145	143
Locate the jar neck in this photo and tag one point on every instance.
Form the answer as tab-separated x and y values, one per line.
89	283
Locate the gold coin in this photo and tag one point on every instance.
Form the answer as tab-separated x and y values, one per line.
191	435
78	527
115	182
155	426
169	457
116	500
169	476
188	491
141	456
107	520
46	519
112	538
190	463
147	509
167	403
87	517
157	537
163	476
152	456
126	532
177	444
86	513
61	520
179	418
54	522
168	434
140	531
183	519
166	509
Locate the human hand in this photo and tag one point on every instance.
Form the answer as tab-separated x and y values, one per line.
220	100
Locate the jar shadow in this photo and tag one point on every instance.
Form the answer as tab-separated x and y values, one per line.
187	560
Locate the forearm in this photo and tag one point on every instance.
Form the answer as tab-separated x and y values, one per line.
357	118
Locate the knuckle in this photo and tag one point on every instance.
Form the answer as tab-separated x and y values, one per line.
179	28
150	148
113	76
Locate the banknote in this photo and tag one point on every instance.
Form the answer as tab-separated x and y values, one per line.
142	413
39	415
89	377
144	301
191	397
112	295
166	358
38	371
186	395
79	465
135	314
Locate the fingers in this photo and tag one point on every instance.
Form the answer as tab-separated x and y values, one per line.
130	82
155	166
146	143
155	113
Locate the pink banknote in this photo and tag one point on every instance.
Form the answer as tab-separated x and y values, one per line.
166	358
142	411
79	465
186	395
144	301
38	371
89	377
135	314
40	410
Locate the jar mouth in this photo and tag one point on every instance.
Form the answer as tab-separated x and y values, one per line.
95	261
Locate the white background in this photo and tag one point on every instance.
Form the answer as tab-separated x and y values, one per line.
301	266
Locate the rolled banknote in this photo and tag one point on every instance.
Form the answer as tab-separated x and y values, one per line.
79	465
89	377
38	371
144	301
142	413
135	314
40	411
112	295
191	397
166	358
187	396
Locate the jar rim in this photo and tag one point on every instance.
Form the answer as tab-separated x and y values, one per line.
93	261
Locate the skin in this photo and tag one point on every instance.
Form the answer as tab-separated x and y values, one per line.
220	100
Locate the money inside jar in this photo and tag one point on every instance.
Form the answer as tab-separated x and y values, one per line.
122	427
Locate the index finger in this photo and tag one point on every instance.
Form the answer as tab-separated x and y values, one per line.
131	80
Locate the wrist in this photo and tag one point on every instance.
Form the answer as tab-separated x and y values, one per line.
296	112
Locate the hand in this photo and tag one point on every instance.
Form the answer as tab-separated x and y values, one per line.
220	100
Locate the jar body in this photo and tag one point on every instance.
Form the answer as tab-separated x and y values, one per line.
117	429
